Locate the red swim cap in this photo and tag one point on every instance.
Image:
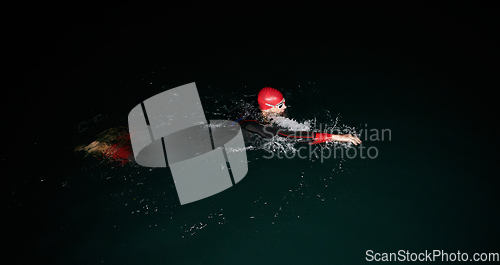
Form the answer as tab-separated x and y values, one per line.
270	96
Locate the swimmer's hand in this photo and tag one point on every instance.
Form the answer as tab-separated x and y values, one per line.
326	137
349	138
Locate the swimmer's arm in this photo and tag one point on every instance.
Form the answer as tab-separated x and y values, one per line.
316	138
267	131
301	135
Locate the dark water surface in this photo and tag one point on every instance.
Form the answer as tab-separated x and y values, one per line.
423	73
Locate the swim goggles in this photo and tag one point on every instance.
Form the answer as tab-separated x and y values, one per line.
279	105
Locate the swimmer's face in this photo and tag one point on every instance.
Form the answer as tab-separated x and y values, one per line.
279	108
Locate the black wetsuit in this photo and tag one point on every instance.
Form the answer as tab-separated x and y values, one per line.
251	120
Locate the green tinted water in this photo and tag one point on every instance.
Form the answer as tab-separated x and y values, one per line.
431	186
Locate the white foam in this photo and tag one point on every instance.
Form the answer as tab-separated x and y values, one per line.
292	124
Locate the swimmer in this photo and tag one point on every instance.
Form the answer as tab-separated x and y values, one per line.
272	104
114	144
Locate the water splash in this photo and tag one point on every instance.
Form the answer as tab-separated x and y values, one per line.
292	124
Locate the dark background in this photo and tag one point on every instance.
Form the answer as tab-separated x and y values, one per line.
53	50
65	63
77	43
